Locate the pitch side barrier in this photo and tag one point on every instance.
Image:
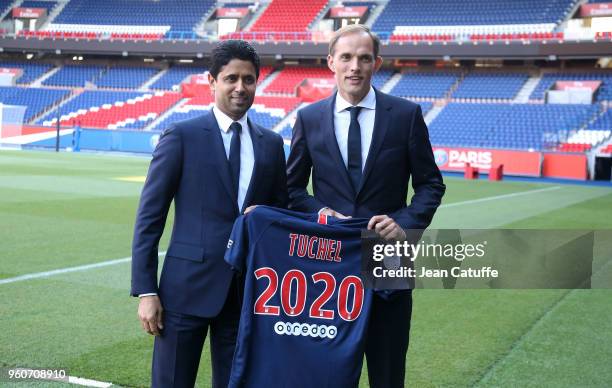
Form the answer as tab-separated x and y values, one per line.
103	140
489	259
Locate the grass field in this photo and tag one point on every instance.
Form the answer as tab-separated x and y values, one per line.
65	210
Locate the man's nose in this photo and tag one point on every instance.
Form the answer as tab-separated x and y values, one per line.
239	86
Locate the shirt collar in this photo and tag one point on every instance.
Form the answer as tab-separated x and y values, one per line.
224	121
368	102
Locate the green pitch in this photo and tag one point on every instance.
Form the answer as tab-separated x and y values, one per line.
64	210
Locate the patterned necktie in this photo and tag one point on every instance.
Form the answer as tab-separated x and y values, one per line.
234	155
354	148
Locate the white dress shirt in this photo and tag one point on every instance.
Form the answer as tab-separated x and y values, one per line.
247	155
342	121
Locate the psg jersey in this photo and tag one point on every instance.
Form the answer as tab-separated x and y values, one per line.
305	310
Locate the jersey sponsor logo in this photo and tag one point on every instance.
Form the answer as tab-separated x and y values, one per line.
305	330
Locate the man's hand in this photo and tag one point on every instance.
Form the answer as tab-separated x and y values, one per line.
250	209
386	227
150	313
332	213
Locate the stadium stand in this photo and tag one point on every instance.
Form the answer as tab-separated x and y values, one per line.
266	111
48	5
4	4
511	126
175	15
31	71
74	75
404	17
479	85
111	110
381	77
175	75
37	100
125	77
433	84
275	17
602	122
181	114
289	78
548	80
89	99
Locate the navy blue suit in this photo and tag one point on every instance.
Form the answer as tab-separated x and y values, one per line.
190	166
400	150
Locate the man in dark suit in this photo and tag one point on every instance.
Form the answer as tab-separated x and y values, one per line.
362	147
214	167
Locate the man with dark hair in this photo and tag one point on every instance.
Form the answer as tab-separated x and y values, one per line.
214	167
362	147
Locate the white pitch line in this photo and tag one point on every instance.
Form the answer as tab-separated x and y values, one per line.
60	271
88	382
503	196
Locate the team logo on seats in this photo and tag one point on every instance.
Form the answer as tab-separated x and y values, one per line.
305	330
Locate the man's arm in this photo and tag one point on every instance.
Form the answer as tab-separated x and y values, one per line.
426	179
299	166
157	194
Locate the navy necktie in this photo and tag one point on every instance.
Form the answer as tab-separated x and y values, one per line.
354	148
234	155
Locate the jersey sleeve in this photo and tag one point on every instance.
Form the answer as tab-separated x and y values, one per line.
238	245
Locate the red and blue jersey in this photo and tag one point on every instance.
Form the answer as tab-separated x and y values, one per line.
305	310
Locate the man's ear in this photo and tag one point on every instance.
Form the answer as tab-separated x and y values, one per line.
378	63
211	82
330	63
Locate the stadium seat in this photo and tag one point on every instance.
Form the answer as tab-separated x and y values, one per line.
288	15
289	78
36	100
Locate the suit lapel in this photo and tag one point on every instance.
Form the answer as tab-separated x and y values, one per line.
258	152
327	123
382	119
220	156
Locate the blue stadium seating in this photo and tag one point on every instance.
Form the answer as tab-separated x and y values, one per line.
263	118
510	126
37	100
235	5
602	122
180	15
381	77
31	71
548	80
469	12
177	116
49	5
4	4
490	85
424	84
286	132
425	106
91	98
74	75
174	76
125	77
